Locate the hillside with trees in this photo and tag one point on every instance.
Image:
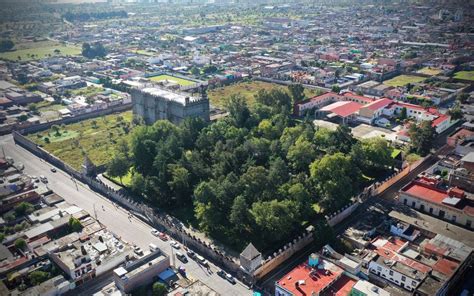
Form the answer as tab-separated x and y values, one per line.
254	176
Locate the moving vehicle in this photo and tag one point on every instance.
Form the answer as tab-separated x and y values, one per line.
201	260
155	232
181	257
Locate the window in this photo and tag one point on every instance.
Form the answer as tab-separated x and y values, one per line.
391	272
405	201
379	268
431	210
404	278
468	223
453	218
413	204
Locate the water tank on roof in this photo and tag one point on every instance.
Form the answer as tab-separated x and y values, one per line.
313	260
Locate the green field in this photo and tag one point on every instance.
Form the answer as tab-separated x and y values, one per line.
38	50
180	81
249	89
126	180
465	75
403	80
429	71
97	141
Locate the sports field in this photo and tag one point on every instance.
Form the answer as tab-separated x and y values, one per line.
180	81
403	80
429	71
38	50
465	75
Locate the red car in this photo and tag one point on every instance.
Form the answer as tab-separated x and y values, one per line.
163	236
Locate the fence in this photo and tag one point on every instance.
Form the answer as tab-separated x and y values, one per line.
158	220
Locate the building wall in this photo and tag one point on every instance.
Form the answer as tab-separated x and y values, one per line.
145	277
152	108
454	215
393	276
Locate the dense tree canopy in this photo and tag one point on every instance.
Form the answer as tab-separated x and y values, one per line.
253	176
96	50
6	45
422	136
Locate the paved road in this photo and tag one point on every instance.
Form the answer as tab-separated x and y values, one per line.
113	217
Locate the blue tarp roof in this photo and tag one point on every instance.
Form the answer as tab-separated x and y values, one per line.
166	274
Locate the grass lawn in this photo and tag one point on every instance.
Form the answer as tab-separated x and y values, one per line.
144	52
39	50
465	75
87	91
126	180
98	142
429	71
248	89
403	80
180	81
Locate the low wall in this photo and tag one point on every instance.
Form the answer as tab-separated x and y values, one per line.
283	254
342	214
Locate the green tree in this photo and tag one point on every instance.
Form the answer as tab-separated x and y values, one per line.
195	71
56	130
6	45
138	184
297	92
276	219
23	208
336	88
118	166
239	215
422	136
20	244
462	98
403	113
301	154
37	277
159	289
74	224
455	112
180	181
33	108
238	109
336	179
372	155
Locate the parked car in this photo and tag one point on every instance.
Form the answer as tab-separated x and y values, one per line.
138	251
175	245
155	232
163	236
222	274
43	179
181	257
53	170
182	271
152	247
230	279
191	254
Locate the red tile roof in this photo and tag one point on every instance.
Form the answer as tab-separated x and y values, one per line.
425	192
342	287
313	282
343	109
445	266
379	104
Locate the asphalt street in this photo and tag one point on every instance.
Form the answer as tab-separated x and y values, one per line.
115	218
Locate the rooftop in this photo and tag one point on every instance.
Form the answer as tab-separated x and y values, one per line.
307	280
169	95
343	109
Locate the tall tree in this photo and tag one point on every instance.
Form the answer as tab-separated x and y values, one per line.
238	110
297	92
118	166
422	136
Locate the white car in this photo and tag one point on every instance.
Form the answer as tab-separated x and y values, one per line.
175	245
155	232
